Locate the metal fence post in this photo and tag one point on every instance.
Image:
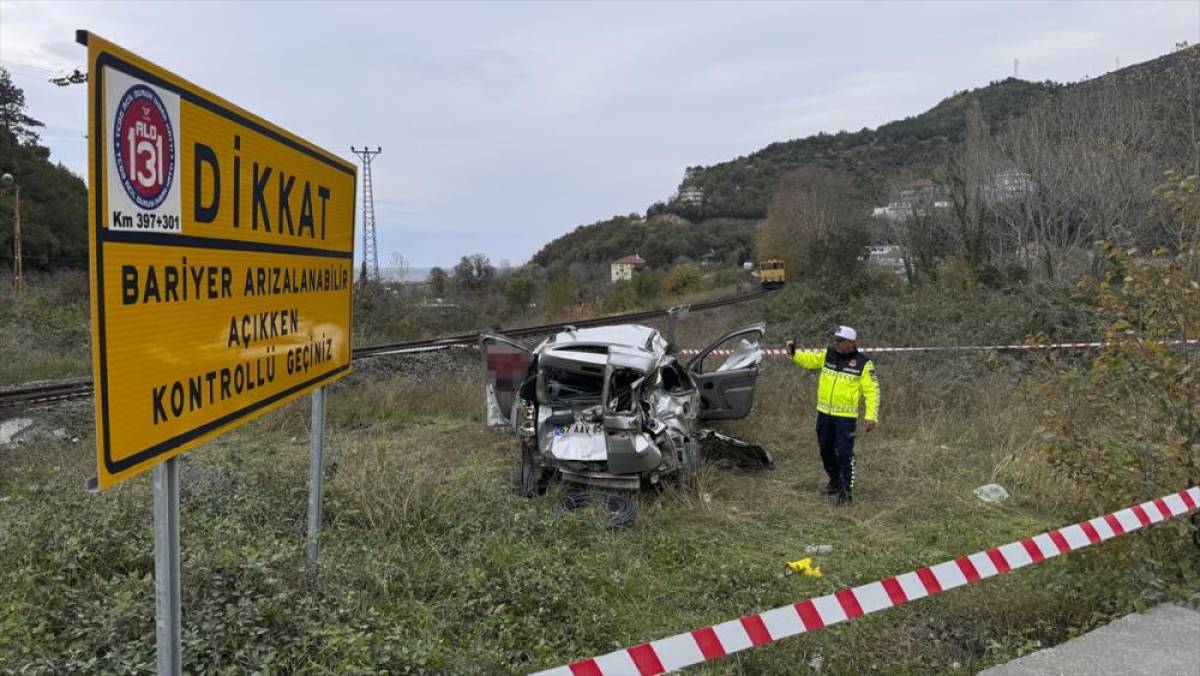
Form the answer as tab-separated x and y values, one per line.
315	475
166	568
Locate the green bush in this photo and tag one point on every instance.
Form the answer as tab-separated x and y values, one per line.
1126	428
683	278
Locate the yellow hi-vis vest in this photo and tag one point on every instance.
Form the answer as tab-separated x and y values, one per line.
845	379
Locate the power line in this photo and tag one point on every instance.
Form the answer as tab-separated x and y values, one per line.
370	253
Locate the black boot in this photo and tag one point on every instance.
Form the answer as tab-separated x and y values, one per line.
831	488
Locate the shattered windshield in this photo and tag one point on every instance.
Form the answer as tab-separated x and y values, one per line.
570	388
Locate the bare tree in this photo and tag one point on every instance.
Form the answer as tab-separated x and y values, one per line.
815	224
1073	171
967	175
1181	109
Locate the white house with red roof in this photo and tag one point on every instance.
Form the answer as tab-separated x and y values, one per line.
622	268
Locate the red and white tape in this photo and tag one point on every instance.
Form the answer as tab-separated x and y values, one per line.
778	352
713	642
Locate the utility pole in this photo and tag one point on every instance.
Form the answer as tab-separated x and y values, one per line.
370	253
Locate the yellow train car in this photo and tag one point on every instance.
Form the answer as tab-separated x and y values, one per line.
771	274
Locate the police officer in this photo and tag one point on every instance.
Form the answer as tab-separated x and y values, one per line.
847	376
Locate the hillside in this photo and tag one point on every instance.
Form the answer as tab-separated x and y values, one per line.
739	190
742	187
660	239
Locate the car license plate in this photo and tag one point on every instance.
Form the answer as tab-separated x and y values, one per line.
579	428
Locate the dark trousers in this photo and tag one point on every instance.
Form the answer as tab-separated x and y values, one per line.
835	436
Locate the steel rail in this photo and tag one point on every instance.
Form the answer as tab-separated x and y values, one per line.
79	388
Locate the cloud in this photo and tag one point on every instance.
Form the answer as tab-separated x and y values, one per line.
506	124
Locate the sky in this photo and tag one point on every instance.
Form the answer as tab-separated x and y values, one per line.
505	124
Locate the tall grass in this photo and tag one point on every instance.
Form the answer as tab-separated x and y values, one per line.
431	562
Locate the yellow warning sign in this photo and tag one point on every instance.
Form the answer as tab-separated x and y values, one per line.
221	262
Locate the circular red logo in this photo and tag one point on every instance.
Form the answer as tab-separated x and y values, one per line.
144	146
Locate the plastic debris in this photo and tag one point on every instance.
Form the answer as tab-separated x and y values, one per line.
816	661
61	433
993	494
818	549
9	429
805	566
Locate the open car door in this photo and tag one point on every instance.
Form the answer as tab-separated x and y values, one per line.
727	390
505	365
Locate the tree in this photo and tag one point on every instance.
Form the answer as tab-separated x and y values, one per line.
1181	111
968	175
646	284
437	280
474	273
519	289
12	111
1086	168
398	267
53	203
561	294
816	225
682	279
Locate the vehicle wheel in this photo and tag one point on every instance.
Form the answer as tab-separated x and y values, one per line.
533	477
619	510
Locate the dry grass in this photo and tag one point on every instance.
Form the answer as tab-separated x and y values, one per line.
432	562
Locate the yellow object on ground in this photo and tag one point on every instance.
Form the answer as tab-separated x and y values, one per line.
805	566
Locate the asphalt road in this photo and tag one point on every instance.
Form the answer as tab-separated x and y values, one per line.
1163	641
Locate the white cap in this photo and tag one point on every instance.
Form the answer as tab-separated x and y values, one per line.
846	333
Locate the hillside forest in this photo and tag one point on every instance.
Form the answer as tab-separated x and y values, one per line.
996	186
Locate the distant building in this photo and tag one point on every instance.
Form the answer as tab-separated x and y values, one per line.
710	258
889	257
692	194
894	211
1008	184
622	268
909	199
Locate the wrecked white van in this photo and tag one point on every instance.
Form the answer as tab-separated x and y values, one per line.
613	407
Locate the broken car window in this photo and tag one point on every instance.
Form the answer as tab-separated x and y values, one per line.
675	378
746	355
620	390
572	389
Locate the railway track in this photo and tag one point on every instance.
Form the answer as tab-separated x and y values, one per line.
79	388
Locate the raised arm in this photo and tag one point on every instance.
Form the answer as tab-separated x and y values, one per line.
807	359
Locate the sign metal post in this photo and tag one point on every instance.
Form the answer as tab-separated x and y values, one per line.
315	476
165	478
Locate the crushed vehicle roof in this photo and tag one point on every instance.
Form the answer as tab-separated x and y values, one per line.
625	335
